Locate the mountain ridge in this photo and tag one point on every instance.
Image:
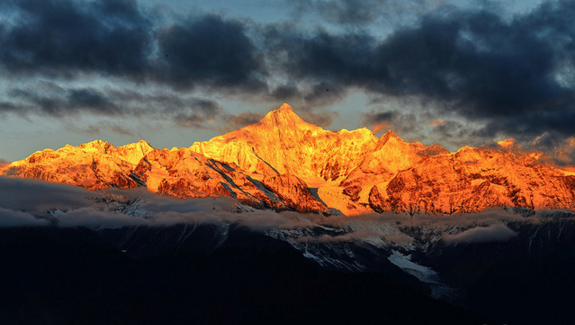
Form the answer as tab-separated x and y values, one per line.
285	163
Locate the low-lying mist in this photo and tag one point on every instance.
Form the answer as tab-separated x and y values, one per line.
25	202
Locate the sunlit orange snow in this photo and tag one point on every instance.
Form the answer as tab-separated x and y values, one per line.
285	163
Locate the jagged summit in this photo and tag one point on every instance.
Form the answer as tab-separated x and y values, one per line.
386	137
284	143
284	117
389	134
96	145
285	108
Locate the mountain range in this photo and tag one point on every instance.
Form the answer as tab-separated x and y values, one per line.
285	163
476	236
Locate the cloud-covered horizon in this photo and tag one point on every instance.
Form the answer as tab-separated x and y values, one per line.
492	233
484	73
25	203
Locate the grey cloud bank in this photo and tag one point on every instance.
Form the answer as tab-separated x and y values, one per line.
26	202
492	233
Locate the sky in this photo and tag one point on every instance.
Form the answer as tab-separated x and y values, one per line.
175	72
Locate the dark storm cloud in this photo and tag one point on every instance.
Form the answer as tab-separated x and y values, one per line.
476	62
199	115
385	116
100	128
107	37
401	122
513	76
89	98
164	102
320	57
59	102
8	107
307	95
320	118
48	98
457	133
64	37
450	129
321	67
121	130
557	148
67	40
242	119
210	52
348	12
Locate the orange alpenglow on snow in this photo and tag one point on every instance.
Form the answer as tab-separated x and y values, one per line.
285	163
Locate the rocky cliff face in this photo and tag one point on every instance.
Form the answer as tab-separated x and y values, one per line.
285	163
94	165
474	179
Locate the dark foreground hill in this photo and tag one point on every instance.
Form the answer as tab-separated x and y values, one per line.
51	275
